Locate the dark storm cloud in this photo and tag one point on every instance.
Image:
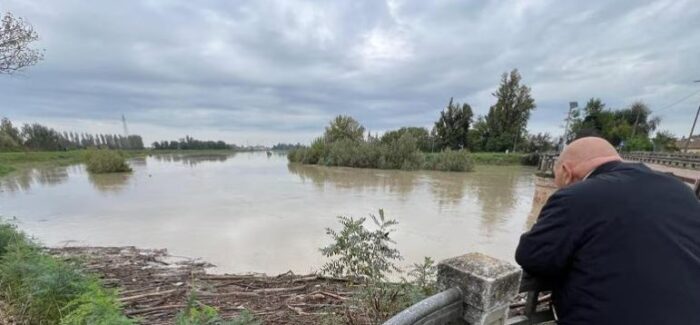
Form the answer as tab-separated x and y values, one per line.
279	70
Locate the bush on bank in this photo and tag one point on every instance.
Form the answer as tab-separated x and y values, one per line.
449	160
106	161
41	289
401	153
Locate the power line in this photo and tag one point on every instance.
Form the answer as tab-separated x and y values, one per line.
678	101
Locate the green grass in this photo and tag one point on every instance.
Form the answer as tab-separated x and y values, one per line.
4	170
12	161
497	158
41	289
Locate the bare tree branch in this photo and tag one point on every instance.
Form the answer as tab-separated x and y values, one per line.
15	37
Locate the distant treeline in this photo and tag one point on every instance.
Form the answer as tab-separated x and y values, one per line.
39	137
286	146
189	143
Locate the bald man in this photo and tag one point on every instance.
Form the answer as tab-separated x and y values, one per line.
619	242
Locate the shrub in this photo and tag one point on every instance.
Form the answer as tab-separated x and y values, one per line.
531	159
341	153
638	143
197	313
95	306
402	154
106	161
424	276
359	253
449	160
369	256
41	289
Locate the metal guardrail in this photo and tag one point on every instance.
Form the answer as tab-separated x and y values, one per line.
680	160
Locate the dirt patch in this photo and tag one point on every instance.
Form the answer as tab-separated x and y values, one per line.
154	286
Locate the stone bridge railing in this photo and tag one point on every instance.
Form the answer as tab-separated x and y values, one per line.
478	290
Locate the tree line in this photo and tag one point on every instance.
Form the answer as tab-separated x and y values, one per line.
502	129
629	128
190	143
34	136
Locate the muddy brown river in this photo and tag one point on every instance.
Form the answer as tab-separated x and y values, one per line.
252	213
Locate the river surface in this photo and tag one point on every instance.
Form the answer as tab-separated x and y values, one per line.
252	213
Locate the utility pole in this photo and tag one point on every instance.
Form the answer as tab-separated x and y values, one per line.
572	105
687	142
126	130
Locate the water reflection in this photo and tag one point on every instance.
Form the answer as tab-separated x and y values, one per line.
448	188
495	192
110	183
24	179
195	158
357	179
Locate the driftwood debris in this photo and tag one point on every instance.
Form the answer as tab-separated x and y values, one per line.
154	287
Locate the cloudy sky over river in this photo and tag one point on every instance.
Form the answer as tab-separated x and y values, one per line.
268	71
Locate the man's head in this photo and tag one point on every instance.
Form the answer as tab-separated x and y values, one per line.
580	158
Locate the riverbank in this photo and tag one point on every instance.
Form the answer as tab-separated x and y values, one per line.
13	161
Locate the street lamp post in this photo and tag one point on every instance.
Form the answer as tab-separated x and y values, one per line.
687	142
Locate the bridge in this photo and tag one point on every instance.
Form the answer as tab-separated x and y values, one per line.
480	290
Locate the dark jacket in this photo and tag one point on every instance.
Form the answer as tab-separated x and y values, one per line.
621	247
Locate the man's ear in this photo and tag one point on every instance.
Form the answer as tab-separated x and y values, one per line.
567	173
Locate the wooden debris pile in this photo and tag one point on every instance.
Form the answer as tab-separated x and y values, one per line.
155	286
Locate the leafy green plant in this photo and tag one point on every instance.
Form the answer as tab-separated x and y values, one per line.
106	161
369	256
380	300
424	276
360	253
197	313
95	306
41	289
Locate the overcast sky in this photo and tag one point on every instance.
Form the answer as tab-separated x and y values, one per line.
277	71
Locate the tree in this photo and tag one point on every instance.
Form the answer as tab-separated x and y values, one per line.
15	37
665	141
344	127
478	135
421	135
452	129
507	119
540	142
39	137
10	139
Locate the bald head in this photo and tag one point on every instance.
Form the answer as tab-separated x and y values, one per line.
581	157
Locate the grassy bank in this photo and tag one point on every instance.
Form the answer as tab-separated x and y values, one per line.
11	161
498	158
401	155
41	289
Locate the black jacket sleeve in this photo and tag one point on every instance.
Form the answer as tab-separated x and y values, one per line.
546	249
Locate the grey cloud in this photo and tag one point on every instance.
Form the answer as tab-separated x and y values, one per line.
231	68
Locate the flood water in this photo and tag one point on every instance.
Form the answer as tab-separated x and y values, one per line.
252	213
